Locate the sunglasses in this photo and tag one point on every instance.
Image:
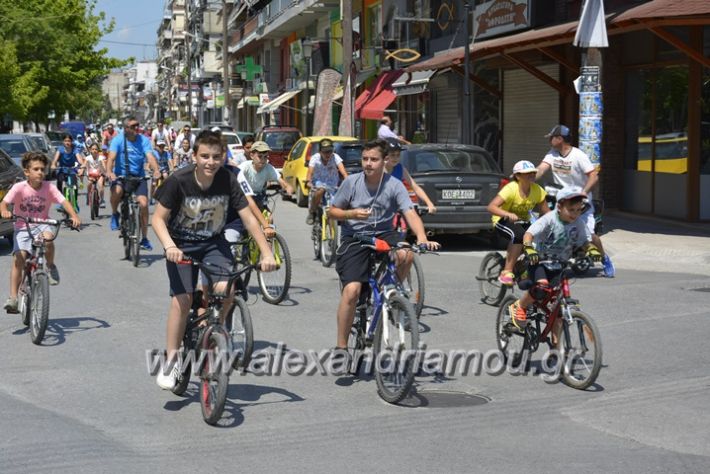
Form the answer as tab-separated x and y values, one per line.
134	126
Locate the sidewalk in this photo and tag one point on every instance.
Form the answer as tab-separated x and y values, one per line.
653	244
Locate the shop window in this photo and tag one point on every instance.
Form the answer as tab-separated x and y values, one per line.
639	103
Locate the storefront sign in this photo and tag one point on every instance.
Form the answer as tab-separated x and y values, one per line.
500	16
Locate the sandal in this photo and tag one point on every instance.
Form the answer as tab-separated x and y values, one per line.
507	278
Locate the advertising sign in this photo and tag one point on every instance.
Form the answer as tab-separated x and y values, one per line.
500	16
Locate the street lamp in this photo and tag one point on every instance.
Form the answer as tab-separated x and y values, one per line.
307	46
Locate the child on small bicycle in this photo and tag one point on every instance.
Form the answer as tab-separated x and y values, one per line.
68	157
193	206
183	155
554	236
32	198
96	167
511	210
323	170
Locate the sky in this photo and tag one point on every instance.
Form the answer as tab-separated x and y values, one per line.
137	23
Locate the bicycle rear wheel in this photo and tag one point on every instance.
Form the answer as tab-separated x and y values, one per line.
492	290
274	285
582	348
135	235
24	299
214	378
126	231
39	314
329	243
511	341
316	235
414	285
240	329
395	353
186	365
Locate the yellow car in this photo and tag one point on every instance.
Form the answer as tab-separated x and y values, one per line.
671	153
295	167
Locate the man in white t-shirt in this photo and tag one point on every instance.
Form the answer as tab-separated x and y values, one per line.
258	172
572	167
161	133
324	171
185	133
386	131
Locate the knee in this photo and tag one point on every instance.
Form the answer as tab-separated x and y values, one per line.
351	292
182	302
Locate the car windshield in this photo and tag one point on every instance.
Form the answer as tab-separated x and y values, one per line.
13	146
446	160
350	153
281	141
38	143
231	139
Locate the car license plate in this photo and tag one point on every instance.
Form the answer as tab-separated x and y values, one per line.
458	194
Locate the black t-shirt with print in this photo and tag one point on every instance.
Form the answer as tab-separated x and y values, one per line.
197	214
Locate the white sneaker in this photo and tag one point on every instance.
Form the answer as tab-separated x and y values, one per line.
167	382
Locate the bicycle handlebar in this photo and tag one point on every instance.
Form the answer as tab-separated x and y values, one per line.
51	222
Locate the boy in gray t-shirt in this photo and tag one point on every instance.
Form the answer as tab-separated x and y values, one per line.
367	202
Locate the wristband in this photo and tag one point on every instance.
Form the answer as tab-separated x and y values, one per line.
170	247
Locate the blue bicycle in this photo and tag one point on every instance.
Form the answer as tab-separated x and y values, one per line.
70	187
385	319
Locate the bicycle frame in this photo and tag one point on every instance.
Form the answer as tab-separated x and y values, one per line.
382	282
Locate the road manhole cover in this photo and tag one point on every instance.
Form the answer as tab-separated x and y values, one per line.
443	399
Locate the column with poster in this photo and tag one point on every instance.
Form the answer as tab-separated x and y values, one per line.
591	109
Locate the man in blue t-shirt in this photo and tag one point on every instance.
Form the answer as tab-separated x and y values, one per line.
126	162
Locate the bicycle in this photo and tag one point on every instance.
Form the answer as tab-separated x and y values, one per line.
578	338
70	188
325	232
93	199
274	285
206	334
33	295
130	224
382	317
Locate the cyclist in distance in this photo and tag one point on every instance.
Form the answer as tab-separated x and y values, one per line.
68	156
96	167
127	157
397	170
553	236
108	135
511	210
572	167
367	203
194	204
258	172
323	169
183	155
32	198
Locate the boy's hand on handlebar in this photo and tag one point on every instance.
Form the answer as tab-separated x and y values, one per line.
267	263
431	209
269	232
429	245
75	222
173	254
6	214
533	256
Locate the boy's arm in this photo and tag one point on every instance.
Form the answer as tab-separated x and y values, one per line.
159	222
265	224
285	186
268	263
5	211
309	176
153	163
75	221
421	194
415	223
54	160
341	169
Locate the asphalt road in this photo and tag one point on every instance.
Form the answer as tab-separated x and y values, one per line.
84	402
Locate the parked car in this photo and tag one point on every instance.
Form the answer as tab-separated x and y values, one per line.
55	139
222	126
15	145
295	168
460	180
280	140
10	173
233	142
41	142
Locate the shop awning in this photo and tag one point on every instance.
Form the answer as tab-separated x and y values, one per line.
383	81
411	83
375	109
277	102
660	11
252	101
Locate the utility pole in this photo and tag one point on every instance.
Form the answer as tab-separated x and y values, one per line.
467	134
225	65
346	7
189	62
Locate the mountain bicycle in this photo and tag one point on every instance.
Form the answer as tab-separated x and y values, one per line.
210	344
274	285
578	338
33	295
383	320
70	187
325	232
93	199
130	223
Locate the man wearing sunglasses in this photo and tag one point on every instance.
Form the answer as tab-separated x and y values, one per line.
186	133
126	158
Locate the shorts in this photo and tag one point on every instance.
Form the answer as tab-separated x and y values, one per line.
353	260
22	239
138	188
512	231
183	277
589	220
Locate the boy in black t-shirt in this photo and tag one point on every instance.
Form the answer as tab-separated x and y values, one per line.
194	204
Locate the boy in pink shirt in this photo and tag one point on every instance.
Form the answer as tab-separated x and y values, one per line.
32	198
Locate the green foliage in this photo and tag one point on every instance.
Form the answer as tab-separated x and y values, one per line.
49	59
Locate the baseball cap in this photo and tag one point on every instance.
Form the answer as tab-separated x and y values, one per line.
325	145
569	192
160	142
393	144
524	166
260	146
558	131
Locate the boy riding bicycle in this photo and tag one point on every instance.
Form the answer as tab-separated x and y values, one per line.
511	213
367	203
323	169
553	236
32	198
194	204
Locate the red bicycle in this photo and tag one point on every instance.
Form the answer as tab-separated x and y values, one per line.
93	199
554	318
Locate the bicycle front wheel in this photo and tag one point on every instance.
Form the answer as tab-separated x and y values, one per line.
582	349
395	350
240	329
24	299
185	366
39	313
94	202
274	285
414	285
135	236
511	341
492	290
126	231
214	378
316	236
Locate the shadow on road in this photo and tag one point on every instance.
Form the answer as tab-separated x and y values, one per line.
58	329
